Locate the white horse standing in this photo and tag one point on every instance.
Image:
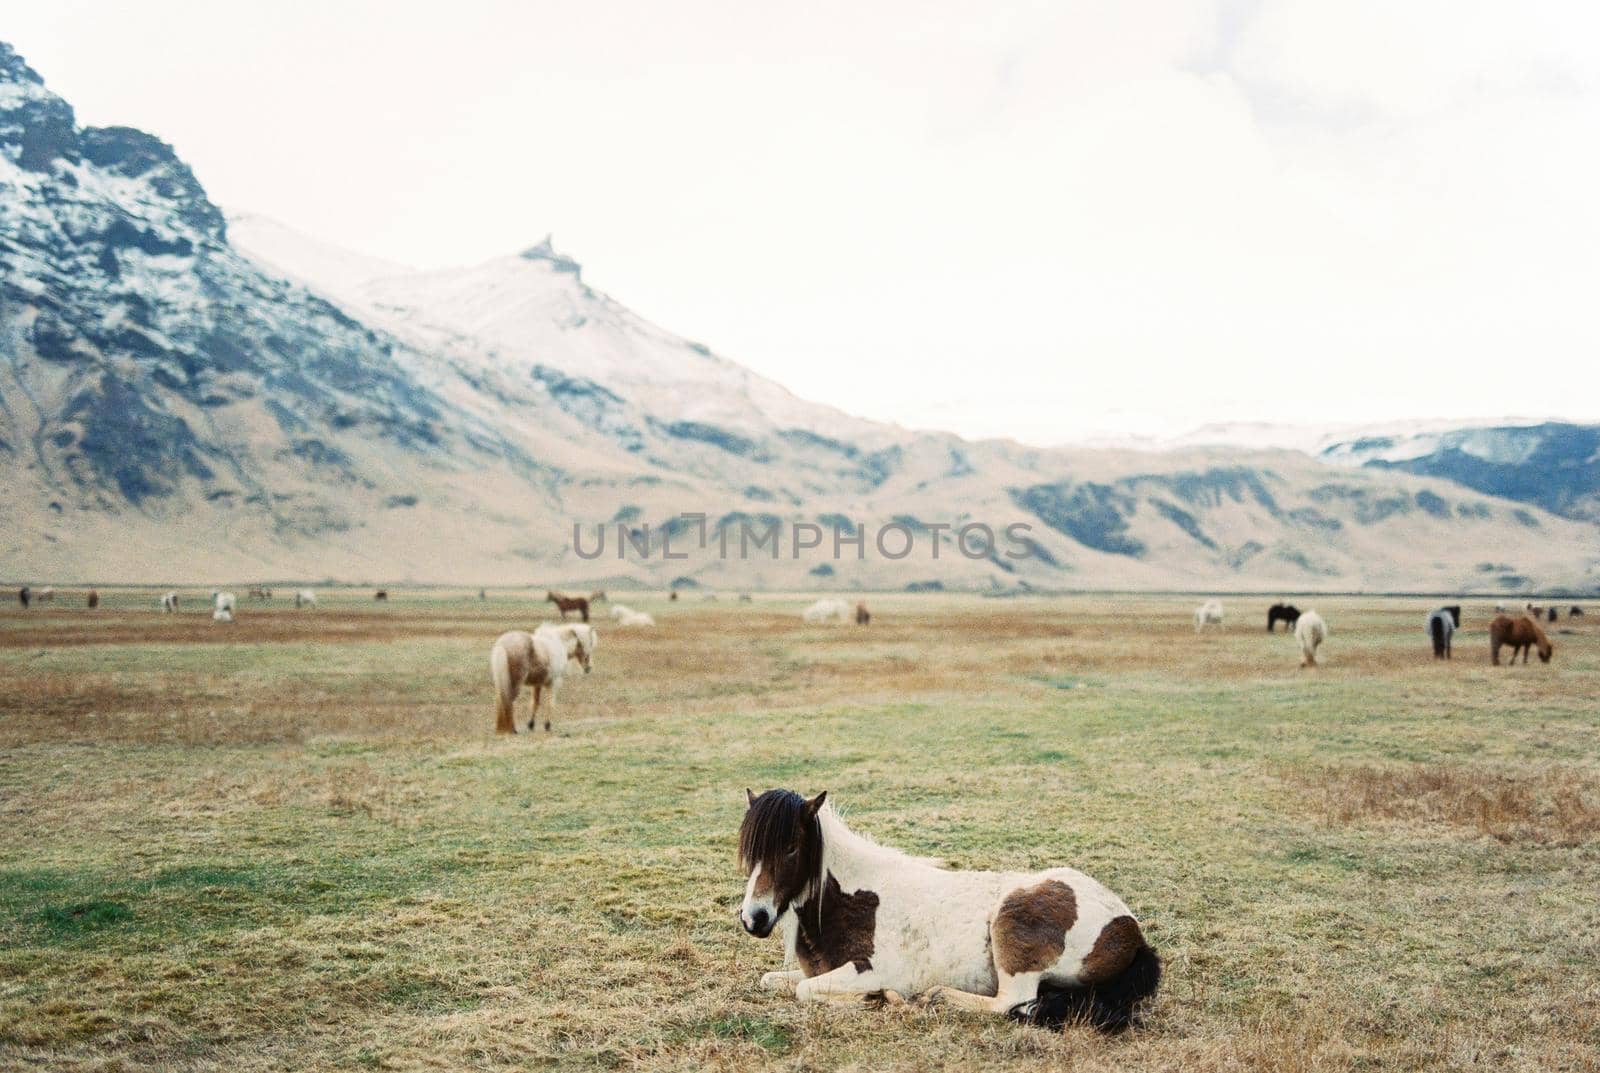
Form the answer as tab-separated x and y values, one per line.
1208	614
538	659
1310	631
305	598
860	919
222	607
826	610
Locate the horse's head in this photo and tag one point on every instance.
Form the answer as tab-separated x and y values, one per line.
1546	650
584	640
780	849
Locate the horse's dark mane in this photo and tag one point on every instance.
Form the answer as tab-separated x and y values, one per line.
771	827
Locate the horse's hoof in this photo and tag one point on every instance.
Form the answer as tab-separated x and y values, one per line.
777	981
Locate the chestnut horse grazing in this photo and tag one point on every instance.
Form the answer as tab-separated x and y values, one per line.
861	921
1442	625
538	659
1310	631
564	604
1521	634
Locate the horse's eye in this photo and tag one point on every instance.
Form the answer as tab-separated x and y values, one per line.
792	854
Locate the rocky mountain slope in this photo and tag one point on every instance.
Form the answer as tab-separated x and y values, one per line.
189	398
1553	465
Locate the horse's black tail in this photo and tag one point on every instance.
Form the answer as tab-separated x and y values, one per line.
1436	626
1111	1006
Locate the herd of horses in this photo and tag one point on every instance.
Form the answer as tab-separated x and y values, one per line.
862	921
1522	634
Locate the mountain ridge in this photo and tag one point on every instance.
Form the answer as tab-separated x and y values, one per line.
168	397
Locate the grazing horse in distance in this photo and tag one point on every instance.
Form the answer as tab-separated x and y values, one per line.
859	920
1310	631
564	604
1442	625
863	616
538	659
1522	634
223	607
258	593
169	603
46	595
93	599
1551	614
827	610
24	594
1208	614
1288	614
305	598
382	596
1574	611
672	597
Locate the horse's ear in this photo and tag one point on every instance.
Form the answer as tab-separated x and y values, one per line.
814	806
749	795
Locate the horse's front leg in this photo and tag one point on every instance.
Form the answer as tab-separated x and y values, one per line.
847	984
782	979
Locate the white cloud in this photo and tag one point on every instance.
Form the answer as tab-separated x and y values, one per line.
1045	220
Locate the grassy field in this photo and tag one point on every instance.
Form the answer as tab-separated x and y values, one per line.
294	843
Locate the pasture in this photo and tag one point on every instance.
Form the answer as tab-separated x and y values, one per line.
295	843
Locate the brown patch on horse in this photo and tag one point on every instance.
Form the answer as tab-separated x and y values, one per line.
1030	930
841	931
1113	950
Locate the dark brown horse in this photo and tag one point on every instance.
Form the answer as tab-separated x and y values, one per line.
93	599
564	604
1288	614
24	594
863	616
381	594
1521	634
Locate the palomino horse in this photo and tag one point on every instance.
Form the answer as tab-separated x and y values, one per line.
1288	614
1442	625
860	920
1521	634
564	604
538	659
1310	631
1208	614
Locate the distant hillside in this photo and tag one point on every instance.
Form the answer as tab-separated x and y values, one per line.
184	397
1553	465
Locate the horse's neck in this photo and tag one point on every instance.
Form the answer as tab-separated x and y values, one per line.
854	860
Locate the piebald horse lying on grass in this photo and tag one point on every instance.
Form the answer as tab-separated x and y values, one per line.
538	659
863	921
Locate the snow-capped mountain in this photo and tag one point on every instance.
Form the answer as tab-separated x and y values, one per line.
186	397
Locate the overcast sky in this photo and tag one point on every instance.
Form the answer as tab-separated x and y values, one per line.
1049	221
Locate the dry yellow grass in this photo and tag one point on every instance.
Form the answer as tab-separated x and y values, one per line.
295	844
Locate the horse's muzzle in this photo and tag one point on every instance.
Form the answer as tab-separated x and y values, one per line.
759	924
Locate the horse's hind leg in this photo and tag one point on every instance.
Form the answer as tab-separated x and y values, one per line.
1012	991
533	714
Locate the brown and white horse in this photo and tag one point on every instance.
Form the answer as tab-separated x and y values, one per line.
564	604
538	659
1521	634
861	921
